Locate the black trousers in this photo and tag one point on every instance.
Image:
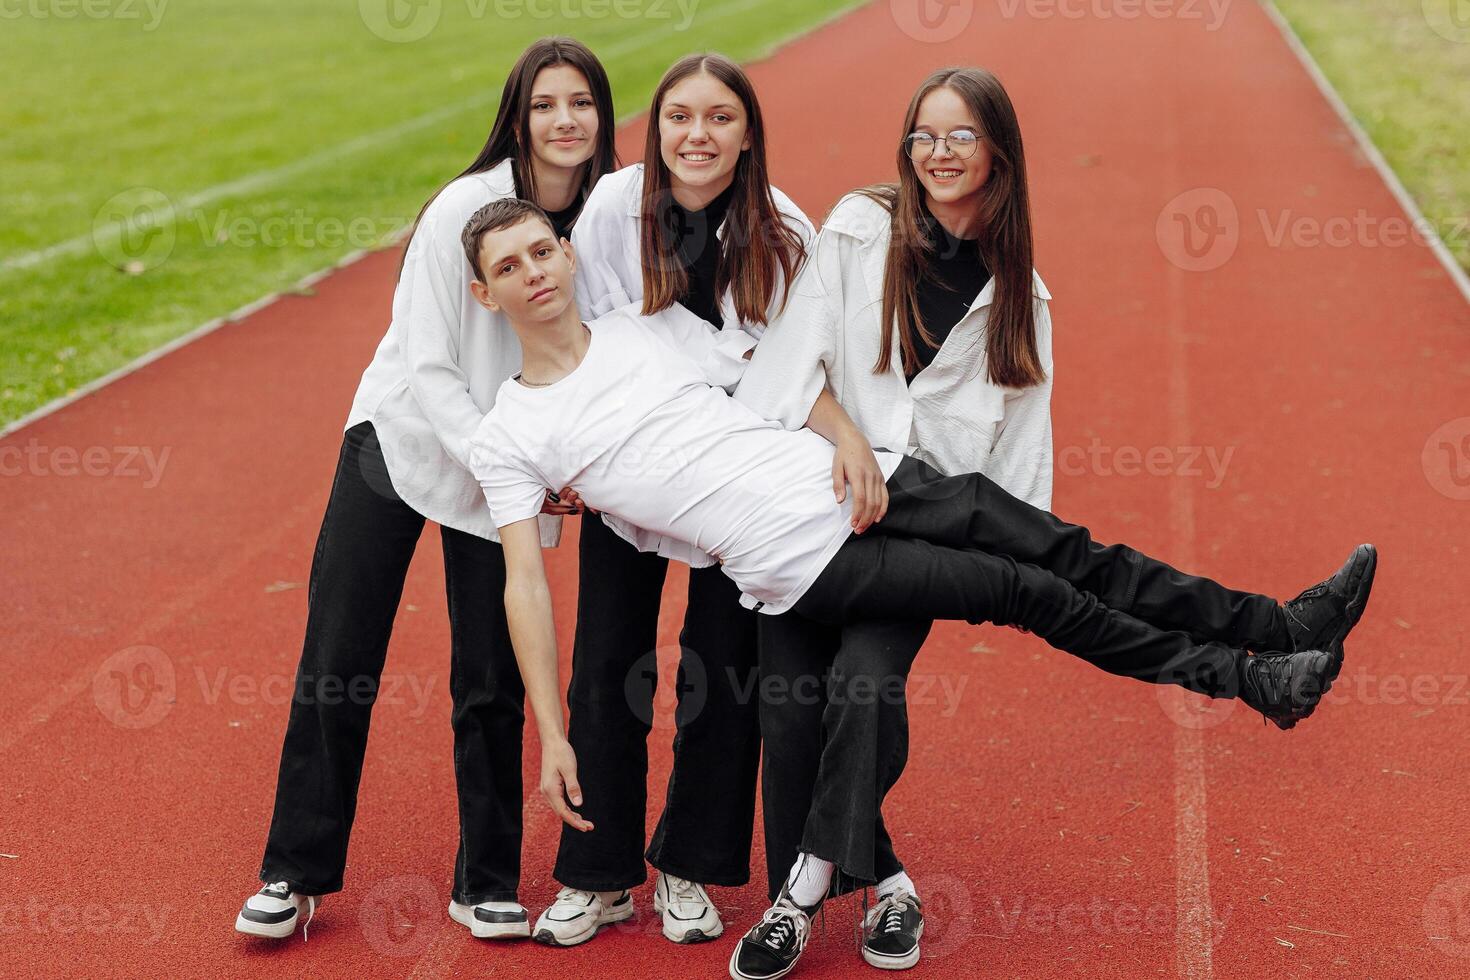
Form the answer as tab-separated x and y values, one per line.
362	555
704	833
835	738
962	548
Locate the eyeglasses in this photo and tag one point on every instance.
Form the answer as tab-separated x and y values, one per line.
961	143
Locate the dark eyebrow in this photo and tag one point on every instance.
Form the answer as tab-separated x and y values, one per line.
534	245
680	105
543	95
970	126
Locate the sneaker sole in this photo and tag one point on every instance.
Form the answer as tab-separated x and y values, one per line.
266	930
735	973
489	930
885	962
1362	586
548	938
689	936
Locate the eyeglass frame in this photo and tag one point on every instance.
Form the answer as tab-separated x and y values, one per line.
908	143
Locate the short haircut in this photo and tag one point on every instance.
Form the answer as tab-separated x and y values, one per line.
493	217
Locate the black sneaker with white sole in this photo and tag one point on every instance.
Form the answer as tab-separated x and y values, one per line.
771	948
274	911
1286	687
891	931
1322	616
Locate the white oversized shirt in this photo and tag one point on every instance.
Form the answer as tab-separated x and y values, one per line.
951	415
610	275
437	370
639	432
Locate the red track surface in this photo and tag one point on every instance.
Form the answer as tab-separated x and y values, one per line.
1054	817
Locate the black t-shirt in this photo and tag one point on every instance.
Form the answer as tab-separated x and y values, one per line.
562	220
953	278
698	247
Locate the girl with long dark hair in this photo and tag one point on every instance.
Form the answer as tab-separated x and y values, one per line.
921	311
404	460
696	223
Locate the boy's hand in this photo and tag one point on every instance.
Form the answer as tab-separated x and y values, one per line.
559	782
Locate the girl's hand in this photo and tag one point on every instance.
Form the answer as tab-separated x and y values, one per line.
854	463
559	782
566	502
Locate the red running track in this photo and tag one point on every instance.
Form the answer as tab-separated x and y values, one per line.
1060	822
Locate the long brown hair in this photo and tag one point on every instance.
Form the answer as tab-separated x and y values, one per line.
1011	354
757	241
510	137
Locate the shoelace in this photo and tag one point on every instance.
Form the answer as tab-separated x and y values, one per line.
788	927
682	890
282	891
570	892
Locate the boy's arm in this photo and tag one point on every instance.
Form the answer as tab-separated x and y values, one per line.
533	634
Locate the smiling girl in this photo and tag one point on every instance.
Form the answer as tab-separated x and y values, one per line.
921	311
696	223
404	460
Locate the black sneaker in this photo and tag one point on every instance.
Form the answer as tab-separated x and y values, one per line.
891	931
772	947
1322	616
1285	687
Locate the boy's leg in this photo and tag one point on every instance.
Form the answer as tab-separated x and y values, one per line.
796	654
887	576
362	555
610	701
488	718
704	833
864	748
969	511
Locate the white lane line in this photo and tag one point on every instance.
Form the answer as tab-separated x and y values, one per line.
1370	151
1194	914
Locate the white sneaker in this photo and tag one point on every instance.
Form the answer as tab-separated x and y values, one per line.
492	920
274	911
689	915
576	915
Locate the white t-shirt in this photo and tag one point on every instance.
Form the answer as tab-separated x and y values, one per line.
639	432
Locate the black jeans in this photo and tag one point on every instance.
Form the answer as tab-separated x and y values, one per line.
362	555
704	833
835	738
962	548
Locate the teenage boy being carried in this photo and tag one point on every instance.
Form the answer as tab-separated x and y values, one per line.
632	413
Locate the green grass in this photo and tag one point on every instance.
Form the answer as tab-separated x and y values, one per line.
1408	85
214	91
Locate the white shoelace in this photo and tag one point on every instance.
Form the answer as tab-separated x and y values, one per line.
285	887
683	890
786	923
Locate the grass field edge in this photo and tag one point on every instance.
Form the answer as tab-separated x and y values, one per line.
1368	148
395	241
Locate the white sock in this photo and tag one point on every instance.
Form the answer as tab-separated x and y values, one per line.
893	883
809	879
